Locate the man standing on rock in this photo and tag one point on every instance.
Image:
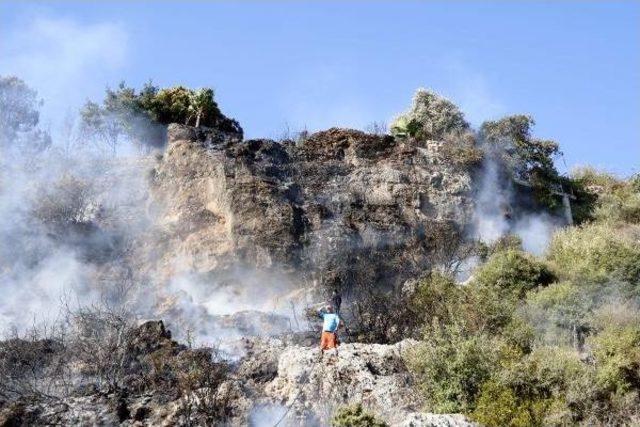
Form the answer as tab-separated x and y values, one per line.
330	325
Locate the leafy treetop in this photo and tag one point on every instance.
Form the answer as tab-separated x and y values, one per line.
430	117
142	116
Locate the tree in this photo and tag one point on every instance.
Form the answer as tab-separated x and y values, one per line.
528	159
143	116
124	113
201	105
19	115
98	123
430	117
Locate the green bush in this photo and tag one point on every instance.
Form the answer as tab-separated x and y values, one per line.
506	242
513	270
599	252
487	308
560	313
430	117
617	352
435	298
499	406
143	116
355	416
530	391
616	200
450	366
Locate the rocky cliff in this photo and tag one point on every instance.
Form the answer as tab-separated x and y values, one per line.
338	207
226	230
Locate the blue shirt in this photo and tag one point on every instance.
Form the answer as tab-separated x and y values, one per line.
331	321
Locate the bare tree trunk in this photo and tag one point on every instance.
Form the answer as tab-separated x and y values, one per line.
198	116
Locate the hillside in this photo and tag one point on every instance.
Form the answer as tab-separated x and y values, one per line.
427	232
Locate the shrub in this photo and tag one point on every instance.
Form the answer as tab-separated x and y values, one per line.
616	200
435	299
513	270
519	334
617	352
381	317
498	406
355	416
560	313
506	242
142	116
596	252
430	117
487	308
33	366
451	365
530	391
66	203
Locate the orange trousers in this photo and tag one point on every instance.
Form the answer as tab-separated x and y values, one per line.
328	340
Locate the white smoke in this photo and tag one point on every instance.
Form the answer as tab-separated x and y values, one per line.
42	269
496	212
268	416
492	203
64	60
535	232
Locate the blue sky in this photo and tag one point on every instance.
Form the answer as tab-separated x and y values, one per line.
575	66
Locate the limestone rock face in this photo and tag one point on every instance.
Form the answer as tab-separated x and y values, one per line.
372	374
311	388
340	204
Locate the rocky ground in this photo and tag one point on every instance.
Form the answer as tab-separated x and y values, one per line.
273	380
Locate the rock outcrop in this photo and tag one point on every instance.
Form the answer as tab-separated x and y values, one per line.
340	205
273	380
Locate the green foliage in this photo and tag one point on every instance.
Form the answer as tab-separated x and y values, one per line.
142	116
355	416
499	406
515	347
432	299
487	308
451	365
529	159
612	199
514	270
583	202
616	349
561	313
124	113
529	156
530	391
596	252
430	117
